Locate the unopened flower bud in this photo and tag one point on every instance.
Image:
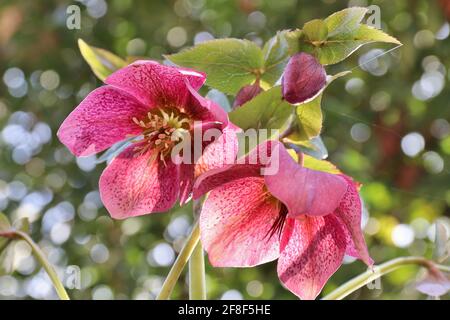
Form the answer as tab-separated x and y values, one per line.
303	78
246	94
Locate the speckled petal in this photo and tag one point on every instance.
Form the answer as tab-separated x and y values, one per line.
305	191
155	84
202	109
312	249
134	185
248	166
219	153
103	118
235	224
186	182
349	212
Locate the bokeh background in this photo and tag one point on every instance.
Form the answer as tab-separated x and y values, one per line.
386	124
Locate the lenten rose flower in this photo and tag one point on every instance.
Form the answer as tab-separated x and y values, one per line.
158	105
306	219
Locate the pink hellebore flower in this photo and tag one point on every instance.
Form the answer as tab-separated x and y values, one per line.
306	219
158	105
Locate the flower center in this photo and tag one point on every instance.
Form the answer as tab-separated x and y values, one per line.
277	226
162	129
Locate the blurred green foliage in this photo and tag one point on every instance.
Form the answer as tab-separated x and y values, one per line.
385	124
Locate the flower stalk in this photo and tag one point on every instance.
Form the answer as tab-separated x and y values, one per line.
378	271
197	282
40	256
179	264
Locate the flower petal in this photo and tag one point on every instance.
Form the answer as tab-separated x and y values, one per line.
103	118
134	185
349	212
155	84
195	78
186	182
219	153
305	191
312	249
205	110
235	224
251	165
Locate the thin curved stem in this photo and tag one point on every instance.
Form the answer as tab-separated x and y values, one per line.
379	271
40	256
197	282
179	264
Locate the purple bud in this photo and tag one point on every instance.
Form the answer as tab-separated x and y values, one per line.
246	94
303	78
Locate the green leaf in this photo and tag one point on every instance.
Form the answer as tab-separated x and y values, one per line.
4	223
345	35
102	62
345	23
276	56
266	111
293	40
315	164
319	165
6	256
441	250
316	30
368	33
229	64
309	116
22	224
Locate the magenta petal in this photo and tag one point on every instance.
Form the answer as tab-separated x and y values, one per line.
303	78
235	224
195	78
103	118
186	182
133	185
305	191
249	166
349	212
217	177
205	110
221	152
312	249
155	84
216	155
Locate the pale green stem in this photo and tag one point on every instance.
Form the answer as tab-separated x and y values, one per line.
179	264
197	282
377	272
197	285
40	256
